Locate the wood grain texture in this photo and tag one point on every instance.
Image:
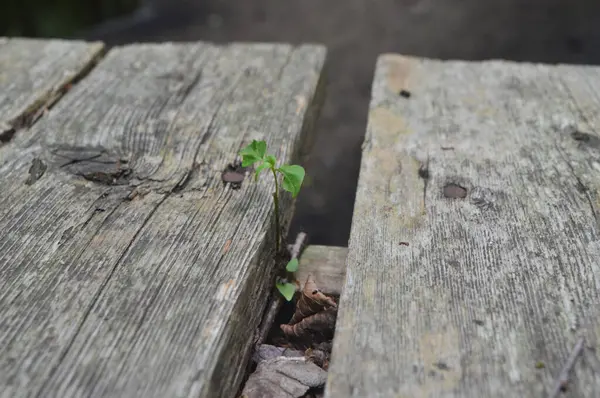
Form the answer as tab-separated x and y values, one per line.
128	268
485	295
35	73
327	264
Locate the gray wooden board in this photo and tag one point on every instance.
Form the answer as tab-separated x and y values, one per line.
128	268
326	264
34	73
484	296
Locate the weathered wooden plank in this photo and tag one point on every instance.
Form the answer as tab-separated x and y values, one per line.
132	270
34	73
464	296
327	264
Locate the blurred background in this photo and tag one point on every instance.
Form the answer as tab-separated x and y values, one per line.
355	32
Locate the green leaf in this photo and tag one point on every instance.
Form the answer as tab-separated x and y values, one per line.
287	290
254	152
292	266
293	175
249	158
271	160
259	169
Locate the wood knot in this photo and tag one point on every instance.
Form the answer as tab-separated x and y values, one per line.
94	164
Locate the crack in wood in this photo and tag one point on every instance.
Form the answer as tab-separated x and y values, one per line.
48	99
7	135
36	171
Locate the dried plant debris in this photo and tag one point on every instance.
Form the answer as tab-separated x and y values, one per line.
314	319
284	377
311	301
314	329
267	351
319	357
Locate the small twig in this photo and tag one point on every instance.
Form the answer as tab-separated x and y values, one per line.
297	247
563	377
274	306
295	251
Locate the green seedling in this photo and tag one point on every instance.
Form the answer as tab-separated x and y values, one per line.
293	175
287	289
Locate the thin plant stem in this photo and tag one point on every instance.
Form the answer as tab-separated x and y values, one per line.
276	203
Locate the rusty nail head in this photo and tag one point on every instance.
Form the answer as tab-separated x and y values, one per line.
233	177
455	191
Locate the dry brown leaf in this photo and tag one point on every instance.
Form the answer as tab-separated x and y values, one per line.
311	301
313	329
314	319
